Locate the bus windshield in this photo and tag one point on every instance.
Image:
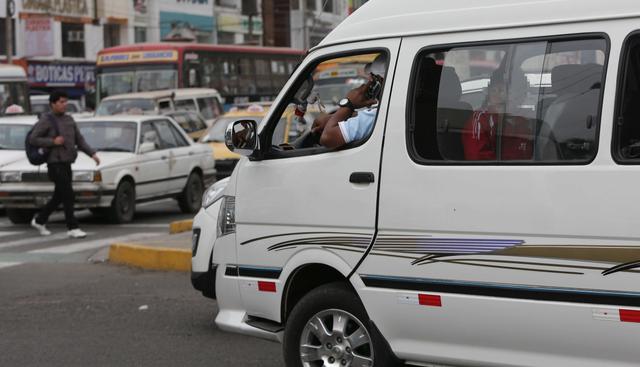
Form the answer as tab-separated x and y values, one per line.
136	80
13	98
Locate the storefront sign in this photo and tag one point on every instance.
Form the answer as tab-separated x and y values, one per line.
239	23
49	75
137	56
58	7
38	36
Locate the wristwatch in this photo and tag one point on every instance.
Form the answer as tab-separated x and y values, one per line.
345	102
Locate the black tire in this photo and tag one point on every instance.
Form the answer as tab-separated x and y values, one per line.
123	205
190	200
99	212
20	216
332	298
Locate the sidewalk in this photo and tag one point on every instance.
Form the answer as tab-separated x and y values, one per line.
164	252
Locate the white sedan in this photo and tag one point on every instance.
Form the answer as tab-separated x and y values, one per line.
143	158
13	132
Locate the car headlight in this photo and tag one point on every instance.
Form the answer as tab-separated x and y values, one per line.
214	193
11	176
227	216
85	176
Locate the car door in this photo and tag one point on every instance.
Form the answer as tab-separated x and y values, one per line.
178	153
153	166
306	201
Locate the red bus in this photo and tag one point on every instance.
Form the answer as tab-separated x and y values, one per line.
239	73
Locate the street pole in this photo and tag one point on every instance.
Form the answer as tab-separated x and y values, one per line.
305	36
8	39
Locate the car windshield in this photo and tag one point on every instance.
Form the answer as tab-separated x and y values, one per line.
216	131
12	136
135	106
110	136
13	98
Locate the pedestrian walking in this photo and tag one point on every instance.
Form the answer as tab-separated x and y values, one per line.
59	133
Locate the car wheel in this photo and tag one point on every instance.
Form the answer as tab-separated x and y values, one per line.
20	216
330	327
123	205
190	200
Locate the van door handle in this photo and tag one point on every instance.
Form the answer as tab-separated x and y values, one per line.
163	157
362	177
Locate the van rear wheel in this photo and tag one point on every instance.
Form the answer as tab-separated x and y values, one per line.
330	327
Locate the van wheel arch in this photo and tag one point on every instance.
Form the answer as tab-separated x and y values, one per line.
303	280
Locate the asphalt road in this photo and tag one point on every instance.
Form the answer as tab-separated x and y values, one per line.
58	307
72	314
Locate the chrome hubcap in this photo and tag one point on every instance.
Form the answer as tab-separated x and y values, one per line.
333	338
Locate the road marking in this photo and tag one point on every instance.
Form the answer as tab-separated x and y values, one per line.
150	225
8	264
32	240
6	234
87	245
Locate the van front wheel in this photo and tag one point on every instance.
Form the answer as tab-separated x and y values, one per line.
330	327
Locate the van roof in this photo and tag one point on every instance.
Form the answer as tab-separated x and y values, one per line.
179	93
12	73
384	18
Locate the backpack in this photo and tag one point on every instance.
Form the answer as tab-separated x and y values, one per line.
38	155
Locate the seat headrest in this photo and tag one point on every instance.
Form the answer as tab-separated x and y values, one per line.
450	89
575	78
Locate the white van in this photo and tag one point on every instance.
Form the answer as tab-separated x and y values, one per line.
490	218
206	101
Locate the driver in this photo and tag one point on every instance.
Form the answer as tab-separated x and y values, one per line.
342	126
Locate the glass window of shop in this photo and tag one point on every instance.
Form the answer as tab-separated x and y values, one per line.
72	40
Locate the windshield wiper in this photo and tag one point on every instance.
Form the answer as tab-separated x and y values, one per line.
622	267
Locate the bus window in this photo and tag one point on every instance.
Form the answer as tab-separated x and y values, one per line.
148	80
246	77
116	83
263	76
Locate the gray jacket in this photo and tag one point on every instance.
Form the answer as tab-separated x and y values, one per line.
44	133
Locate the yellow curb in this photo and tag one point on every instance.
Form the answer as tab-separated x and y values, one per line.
180	226
153	258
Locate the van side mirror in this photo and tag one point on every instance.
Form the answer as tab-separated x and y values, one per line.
242	137
146	147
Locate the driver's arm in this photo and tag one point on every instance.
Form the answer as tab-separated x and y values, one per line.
332	135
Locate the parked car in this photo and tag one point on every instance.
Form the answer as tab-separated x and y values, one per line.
400	247
191	122
205	101
13	132
143	158
40	105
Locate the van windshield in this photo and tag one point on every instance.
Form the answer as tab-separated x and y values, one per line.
134	106
13	98
12	136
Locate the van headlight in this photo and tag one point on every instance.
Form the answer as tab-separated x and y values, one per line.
11	176
227	216
214	193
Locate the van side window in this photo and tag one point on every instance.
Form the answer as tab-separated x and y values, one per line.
209	107
185	104
627	128
315	98
522	103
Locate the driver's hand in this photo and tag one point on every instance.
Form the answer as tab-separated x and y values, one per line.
319	123
358	96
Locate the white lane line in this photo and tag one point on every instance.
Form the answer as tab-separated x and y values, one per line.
87	245
36	239
6	234
149	225
8	264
